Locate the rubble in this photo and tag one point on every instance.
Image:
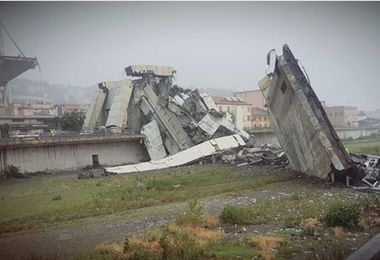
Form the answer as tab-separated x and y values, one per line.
299	120
172	119
369	167
266	155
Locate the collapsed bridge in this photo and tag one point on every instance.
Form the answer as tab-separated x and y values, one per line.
171	118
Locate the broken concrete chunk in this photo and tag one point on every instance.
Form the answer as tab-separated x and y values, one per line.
153	140
140	70
299	120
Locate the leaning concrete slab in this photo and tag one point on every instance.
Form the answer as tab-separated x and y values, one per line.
153	140
118	99
93	115
192	154
300	122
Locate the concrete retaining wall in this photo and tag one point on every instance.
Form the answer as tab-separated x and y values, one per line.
72	155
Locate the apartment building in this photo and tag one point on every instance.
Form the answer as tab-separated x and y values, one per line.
342	115
239	109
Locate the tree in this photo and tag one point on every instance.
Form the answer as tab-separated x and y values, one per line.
72	121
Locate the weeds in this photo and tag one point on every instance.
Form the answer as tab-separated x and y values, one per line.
57	197
266	244
211	222
343	214
233	215
308	226
292	222
194	214
12	172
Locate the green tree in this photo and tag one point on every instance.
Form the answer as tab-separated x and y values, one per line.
72	121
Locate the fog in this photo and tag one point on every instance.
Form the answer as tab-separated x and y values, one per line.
215	45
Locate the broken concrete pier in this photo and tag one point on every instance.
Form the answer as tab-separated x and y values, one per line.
299	120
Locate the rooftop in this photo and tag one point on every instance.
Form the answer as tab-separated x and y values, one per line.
247	91
230	101
255	111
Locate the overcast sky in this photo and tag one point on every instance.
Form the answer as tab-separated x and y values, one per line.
210	44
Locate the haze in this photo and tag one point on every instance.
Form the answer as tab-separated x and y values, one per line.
212	45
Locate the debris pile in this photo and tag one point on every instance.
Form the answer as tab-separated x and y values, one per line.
264	155
171	118
369	167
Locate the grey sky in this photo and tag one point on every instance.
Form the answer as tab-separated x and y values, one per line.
211	44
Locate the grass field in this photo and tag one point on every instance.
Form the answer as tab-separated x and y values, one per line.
36	203
364	145
297	232
271	227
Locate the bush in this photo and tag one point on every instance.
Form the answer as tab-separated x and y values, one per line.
57	197
179	245
163	244
140	250
231	215
342	214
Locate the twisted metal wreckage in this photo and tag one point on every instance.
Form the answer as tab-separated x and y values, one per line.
182	126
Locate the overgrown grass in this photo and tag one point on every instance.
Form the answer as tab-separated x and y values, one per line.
187	238
196	236
290	211
342	214
28	204
364	145
296	207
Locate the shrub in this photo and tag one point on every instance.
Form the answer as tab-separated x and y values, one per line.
57	197
211	221
140	249
308	226
231	215
266	244
181	245
342	214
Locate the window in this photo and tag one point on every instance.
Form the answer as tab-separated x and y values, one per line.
220	109
228	109
249	118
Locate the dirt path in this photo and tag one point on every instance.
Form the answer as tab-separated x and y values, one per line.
85	235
